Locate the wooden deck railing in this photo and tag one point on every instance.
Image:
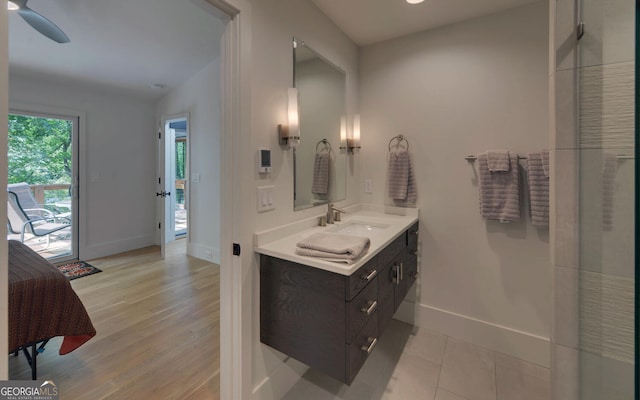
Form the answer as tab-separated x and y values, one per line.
38	190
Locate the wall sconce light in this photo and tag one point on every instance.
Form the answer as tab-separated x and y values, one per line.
353	142
290	134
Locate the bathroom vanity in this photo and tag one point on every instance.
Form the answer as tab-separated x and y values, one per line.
328	315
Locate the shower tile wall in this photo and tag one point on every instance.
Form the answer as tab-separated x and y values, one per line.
593	209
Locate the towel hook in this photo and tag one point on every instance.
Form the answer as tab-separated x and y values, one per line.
400	139
327	145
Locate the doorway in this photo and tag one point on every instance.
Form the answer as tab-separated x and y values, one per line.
42	160
176	171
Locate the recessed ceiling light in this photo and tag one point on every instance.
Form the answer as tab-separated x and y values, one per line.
414	1
12	6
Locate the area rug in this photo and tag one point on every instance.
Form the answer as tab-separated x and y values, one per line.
77	269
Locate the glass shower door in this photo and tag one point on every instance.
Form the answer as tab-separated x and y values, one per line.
606	142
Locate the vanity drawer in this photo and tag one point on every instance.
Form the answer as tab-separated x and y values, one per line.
361	347
360	309
393	249
361	278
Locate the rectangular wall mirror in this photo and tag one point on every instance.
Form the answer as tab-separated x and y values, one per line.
319	163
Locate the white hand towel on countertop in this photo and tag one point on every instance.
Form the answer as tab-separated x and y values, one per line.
499	191
402	182
320	183
538	190
498	160
334	247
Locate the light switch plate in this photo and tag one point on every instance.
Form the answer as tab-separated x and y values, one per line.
265	198
368	186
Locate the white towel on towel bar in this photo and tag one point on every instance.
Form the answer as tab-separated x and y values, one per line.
538	189
498	160
499	191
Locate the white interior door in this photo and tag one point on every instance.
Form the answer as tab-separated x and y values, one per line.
167	193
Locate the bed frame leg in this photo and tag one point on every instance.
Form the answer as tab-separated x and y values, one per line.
32	358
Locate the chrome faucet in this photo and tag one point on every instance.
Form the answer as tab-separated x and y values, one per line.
333	213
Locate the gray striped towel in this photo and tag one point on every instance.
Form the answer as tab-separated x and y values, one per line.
609	168
545	162
538	189
498	160
402	182
320	183
499	191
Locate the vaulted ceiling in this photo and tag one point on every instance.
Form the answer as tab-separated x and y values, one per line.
128	44
134	45
371	21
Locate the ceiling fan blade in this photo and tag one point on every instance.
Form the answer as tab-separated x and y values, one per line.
43	25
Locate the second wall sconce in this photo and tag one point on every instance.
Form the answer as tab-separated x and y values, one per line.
353	142
289	135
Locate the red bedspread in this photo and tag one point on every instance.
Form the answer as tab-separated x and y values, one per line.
42	303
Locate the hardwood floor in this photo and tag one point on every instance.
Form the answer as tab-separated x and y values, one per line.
158	324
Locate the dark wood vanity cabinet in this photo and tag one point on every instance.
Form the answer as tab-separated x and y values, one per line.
330	321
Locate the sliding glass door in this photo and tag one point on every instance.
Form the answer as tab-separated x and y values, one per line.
42	176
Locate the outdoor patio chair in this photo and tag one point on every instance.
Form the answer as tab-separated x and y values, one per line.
29	204
21	220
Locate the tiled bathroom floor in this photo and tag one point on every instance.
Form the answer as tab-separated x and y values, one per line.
412	363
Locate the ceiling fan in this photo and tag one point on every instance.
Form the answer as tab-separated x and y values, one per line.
38	22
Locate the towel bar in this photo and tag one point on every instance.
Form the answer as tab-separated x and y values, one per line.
472	158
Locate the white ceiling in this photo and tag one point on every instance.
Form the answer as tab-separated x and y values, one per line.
130	44
371	21
133	44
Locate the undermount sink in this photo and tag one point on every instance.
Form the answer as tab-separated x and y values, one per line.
358	228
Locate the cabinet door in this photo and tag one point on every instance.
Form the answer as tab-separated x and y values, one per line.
409	269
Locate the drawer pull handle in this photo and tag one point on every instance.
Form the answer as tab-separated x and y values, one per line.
415	232
415	252
372	306
370	276
415	274
395	277
372	344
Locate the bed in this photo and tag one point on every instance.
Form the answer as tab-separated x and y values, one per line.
42	305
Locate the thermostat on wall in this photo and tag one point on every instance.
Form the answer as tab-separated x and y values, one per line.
264	161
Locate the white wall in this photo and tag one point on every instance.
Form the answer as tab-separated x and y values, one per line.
117	170
4	107
453	91
200	97
273	24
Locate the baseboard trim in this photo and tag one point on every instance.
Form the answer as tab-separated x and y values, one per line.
203	252
523	345
91	252
276	386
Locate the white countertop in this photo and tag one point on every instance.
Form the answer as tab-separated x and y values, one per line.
281	241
